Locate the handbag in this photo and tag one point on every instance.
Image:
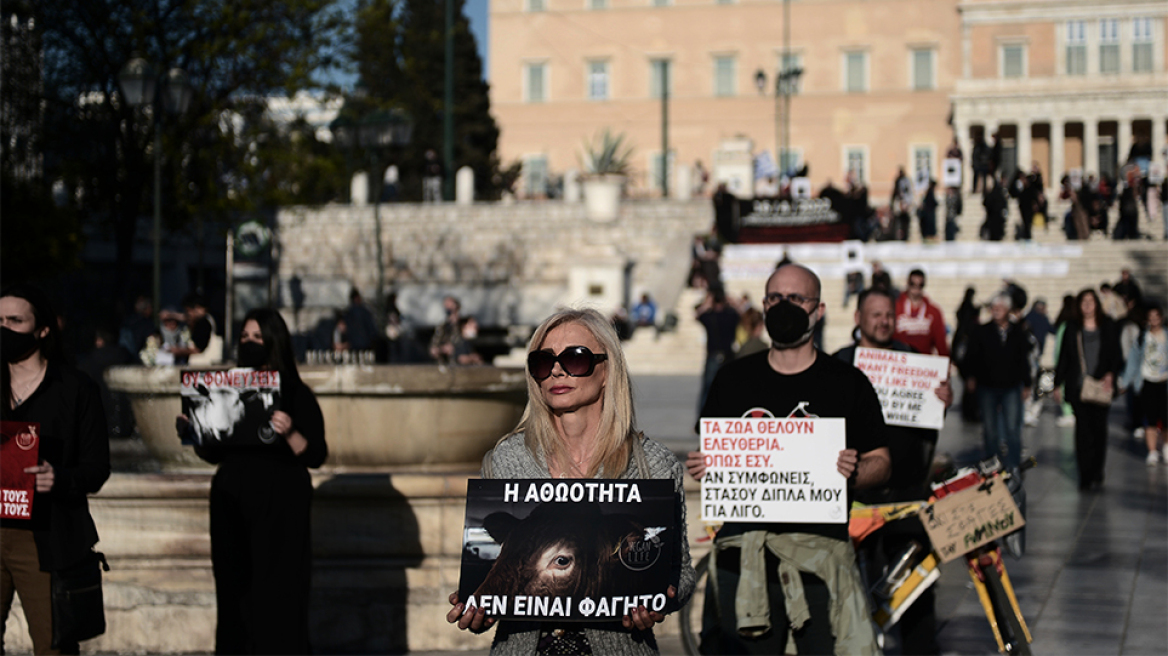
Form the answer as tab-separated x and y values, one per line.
1092	391
78	608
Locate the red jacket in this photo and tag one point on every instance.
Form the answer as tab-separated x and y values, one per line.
923	329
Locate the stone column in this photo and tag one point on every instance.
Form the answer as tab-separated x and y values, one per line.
1159	139
961	131
966	52
1123	139
1023	142
1058	156
1090	146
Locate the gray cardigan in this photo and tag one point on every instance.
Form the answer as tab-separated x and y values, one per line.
511	459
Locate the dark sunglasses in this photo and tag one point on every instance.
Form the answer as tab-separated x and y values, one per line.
576	361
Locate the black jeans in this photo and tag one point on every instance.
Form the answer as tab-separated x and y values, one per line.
720	635
1090	442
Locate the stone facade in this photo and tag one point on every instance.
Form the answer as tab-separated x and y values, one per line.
508	263
1062	83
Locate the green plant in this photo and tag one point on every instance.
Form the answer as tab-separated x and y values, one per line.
607	154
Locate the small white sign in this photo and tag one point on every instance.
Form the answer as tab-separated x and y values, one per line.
951	172
773	470
906	384
801	189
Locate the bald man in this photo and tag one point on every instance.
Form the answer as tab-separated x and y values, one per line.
793	378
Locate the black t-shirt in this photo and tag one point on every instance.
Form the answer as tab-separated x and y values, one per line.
907	452
828	388
721	328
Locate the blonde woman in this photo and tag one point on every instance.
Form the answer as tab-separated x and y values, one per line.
579	423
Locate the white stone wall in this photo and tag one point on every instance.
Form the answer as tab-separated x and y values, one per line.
507	262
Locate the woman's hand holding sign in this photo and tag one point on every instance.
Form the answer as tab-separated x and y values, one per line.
282	424
642	618
476	620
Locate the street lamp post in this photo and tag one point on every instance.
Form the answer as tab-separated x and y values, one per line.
141	87
786	85
374	131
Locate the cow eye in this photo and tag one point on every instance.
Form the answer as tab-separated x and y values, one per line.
562	562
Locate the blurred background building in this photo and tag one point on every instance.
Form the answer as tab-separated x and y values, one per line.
884	84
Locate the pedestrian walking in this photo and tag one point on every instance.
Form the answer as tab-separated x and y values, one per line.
999	370
1089	359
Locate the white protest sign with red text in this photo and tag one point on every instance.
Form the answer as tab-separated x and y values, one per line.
773	470
906	384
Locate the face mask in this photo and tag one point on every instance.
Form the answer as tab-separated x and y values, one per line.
788	325
252	355
15	346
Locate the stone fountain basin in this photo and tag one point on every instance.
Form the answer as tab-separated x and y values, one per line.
374	415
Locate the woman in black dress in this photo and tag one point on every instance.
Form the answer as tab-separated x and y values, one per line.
260	501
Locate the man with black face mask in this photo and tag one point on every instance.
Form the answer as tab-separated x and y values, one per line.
911	453
793	378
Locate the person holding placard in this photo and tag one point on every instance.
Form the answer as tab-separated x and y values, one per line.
820	591
261	498
579	424
65	406
911	453
998	369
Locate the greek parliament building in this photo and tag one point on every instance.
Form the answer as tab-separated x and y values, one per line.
885	83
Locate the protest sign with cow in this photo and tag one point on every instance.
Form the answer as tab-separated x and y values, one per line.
568	550
231	407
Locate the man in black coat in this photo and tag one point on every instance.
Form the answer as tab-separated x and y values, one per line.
998	368
996	208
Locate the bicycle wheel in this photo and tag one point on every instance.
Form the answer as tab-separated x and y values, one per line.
690	617
1012	634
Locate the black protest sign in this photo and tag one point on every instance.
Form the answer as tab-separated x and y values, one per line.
568	550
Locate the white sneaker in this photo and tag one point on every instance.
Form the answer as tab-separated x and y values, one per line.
1164	454
1066	420
1031	421
1138	433
1153	458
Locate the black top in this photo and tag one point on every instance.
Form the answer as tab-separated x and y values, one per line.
996	363
201	333
1069	369
828	388
299	402
721	328
905	449
75	441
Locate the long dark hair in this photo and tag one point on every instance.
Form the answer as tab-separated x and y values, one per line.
1077	308
279	343
43	317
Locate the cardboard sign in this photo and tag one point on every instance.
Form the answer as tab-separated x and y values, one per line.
19	445
230	407
568	550
773	470
963	521
906	384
